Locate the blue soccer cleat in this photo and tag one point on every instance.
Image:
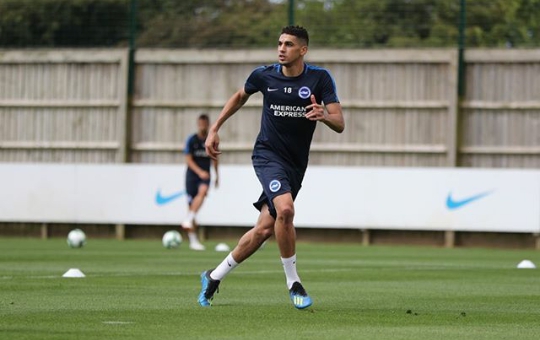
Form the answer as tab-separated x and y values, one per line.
299	297
209	287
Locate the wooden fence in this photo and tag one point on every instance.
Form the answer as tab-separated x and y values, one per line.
401	106
63	105
500	120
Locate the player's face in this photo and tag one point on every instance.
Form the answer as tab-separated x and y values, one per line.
202	126
290	49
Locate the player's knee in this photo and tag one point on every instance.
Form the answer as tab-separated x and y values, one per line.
265	233
285	212
264	228
203	190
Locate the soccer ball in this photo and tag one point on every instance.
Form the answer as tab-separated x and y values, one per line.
76	238
171	239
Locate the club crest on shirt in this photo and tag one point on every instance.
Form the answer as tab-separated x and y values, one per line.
274	185
304	92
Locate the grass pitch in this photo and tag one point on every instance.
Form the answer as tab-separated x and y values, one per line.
140	290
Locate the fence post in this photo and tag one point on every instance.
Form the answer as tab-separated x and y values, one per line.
44	231
449	239
291	12
461	49
130	79
452	140
120	232
455	113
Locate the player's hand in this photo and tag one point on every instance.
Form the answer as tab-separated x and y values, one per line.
212	145
204	175
315	111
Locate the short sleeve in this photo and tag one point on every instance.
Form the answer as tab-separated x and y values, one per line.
329	91
254	82
188	149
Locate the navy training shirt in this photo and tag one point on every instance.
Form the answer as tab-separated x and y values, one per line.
285	133
195	147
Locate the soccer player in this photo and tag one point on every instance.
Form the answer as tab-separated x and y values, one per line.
197	178
293	95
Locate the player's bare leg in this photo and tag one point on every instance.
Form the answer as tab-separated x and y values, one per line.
189	224
247	245
284	227
252	240
198	200
286	239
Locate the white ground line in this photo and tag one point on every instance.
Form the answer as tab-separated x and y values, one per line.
257	272
117	322
253	272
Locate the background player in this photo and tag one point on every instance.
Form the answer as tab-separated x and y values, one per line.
197	178
293	92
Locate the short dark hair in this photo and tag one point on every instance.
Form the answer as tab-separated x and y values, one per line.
204	116
298	31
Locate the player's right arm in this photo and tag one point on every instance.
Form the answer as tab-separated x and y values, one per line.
235	102
204	175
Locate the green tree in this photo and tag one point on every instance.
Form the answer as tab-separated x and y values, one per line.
420	23
210	23
63	22
256	23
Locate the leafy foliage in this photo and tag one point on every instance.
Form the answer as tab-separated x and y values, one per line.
256	23
77	23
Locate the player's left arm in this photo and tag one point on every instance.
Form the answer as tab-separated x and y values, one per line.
334	117
330	114
216	166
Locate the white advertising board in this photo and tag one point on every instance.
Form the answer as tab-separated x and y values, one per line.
128	194
421	199
331	197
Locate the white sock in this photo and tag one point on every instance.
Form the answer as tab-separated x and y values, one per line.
193	237
224	268
188	222
191	216
289	266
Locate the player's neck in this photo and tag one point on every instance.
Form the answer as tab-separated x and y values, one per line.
293	70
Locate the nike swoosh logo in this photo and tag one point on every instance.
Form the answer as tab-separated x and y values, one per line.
453	204
162	200
271	89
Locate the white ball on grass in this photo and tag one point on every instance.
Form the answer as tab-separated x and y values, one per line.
76	238
171	239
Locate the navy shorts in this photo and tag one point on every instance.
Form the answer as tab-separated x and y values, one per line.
276	179
193	182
